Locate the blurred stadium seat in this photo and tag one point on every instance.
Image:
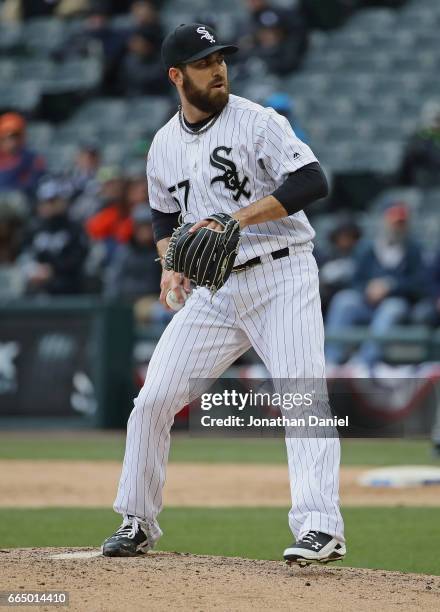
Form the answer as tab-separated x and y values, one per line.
8	70
103	111
24	97
11	37
76	131
116	153
76	75
431	200
39	134
149	111
59	157
32	68
372	19
43	34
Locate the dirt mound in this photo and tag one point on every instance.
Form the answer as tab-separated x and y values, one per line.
164	581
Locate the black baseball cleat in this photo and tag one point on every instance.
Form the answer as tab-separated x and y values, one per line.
315	547
130	540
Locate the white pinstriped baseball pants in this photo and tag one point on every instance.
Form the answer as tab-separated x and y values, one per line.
274	307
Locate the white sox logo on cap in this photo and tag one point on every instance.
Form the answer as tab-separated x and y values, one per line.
205	34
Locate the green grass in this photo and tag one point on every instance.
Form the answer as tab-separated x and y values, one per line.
404	539
60	446
98	446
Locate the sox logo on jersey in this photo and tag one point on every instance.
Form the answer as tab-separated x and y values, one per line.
273	307
230	177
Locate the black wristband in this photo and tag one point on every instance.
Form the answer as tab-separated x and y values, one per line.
163	224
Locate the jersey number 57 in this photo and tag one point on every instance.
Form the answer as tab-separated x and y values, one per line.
176	189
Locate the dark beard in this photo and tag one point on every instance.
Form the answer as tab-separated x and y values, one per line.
203	100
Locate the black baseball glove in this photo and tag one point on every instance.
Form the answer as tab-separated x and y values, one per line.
206	256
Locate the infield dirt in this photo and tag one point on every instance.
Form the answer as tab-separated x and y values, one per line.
26	484
173	581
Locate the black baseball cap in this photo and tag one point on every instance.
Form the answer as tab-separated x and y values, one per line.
190	42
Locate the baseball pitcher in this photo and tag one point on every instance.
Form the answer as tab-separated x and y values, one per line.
235	180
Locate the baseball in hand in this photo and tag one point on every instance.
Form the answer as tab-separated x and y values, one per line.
171	299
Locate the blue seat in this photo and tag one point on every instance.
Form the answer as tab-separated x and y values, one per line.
39	134
43	34
308	84
75	131
351	84
173	17
24	97
117	153
431	199
372	19
8	70
324	60
11	37
40	69
103	111
361	63
75	75
59	157
150	111
345	40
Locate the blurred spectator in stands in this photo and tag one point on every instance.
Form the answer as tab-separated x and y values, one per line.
246	29
55	247
337	265
109	187
13	209
20	167
427	311
284	105
83	174
136	191
279	41
146	17
97	37
277	36
134	275
389	278
421	160
112	224
141	71
18	10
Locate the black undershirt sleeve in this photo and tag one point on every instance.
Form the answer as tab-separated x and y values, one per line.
163	223
301	188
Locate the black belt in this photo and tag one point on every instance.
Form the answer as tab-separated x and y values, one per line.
257	260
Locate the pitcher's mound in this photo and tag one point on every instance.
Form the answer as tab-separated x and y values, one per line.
179	581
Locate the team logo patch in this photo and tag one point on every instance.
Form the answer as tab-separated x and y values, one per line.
205	34
229	176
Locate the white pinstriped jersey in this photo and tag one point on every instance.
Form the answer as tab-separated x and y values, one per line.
244	156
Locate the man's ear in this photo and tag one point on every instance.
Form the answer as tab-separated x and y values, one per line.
175	75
